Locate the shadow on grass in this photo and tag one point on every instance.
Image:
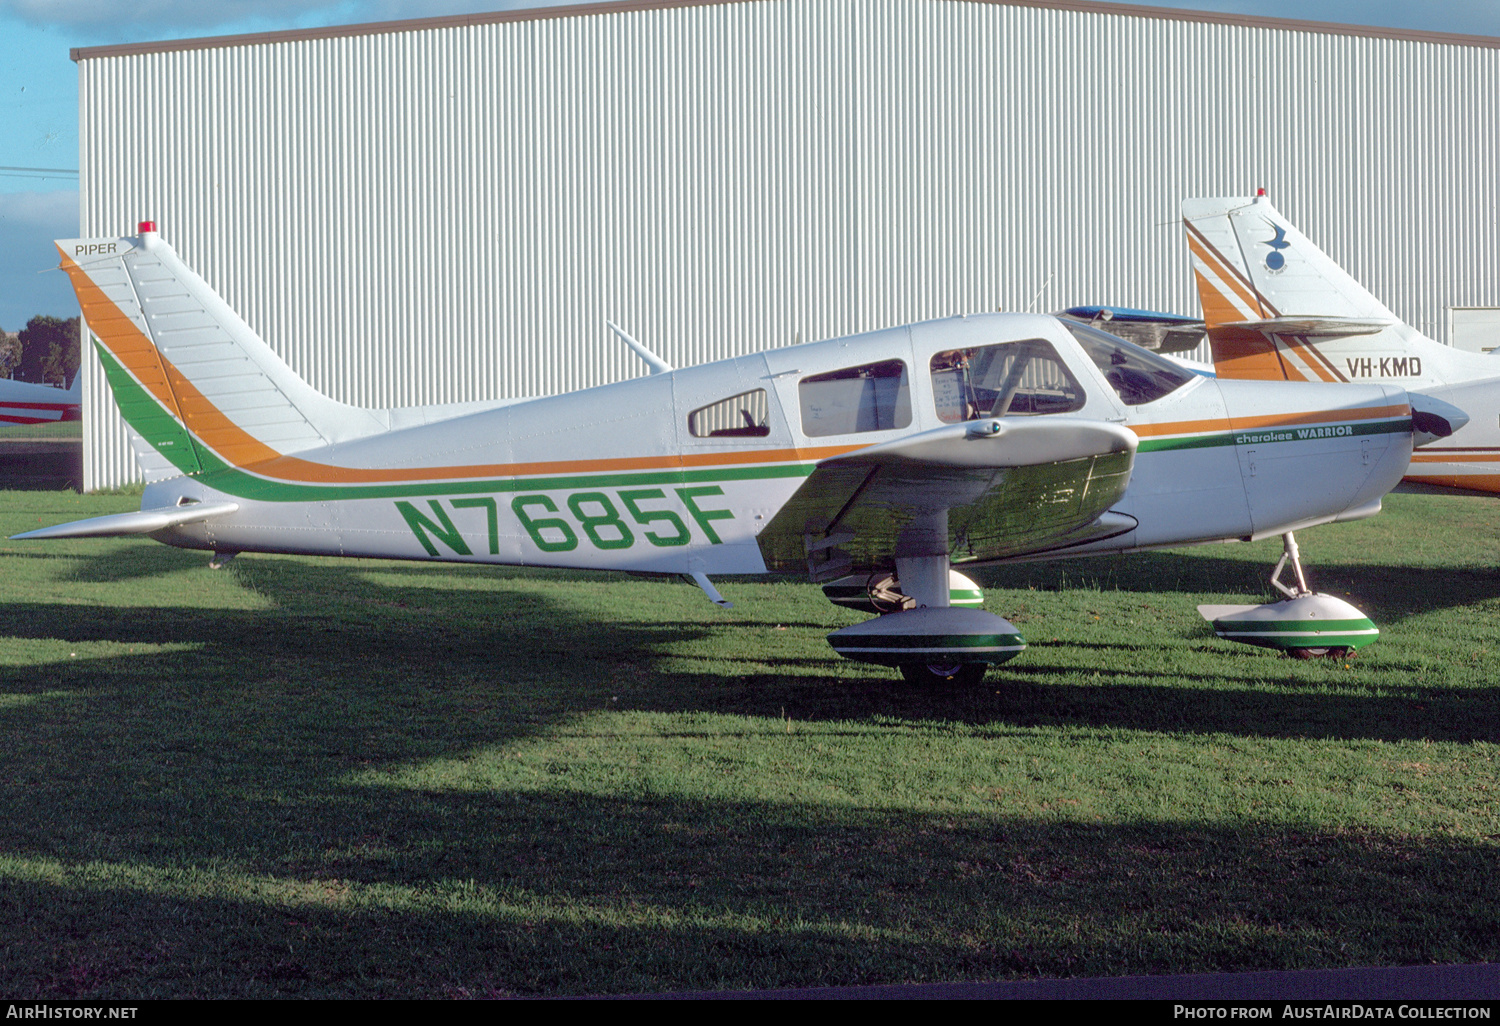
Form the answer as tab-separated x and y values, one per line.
39	464
332	636
1386	593
238	809
399	893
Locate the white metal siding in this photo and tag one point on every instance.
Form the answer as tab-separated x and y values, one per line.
1475	329
452	213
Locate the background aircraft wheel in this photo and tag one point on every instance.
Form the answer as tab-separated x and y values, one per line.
943	674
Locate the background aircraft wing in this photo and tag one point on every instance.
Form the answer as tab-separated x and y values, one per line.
993	488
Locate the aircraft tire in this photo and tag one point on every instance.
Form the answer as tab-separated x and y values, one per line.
930	675
1337	652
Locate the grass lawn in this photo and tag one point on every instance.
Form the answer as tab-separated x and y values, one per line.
59	430
323	778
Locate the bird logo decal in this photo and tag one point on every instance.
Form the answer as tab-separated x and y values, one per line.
1274	260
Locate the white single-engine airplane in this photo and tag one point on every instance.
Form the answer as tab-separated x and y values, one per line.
1278	308
879	459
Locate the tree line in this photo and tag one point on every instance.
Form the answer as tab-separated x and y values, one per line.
46	351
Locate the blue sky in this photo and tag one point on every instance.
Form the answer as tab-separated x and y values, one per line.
39	90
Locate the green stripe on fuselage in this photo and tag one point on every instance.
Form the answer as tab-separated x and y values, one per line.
149	419
1276	436
246	486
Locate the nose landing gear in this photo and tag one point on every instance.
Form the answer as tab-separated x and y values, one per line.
1304	625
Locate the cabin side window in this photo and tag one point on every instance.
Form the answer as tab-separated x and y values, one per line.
872	397
1013	379
746	415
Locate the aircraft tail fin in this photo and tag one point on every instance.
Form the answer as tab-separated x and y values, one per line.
195	383
1269	294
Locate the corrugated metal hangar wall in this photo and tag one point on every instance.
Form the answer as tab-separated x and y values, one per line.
451	209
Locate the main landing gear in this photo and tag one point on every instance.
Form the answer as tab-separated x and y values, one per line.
930	627
1303	625
928	675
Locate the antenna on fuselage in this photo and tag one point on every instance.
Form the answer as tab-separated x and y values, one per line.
656	363
1032	305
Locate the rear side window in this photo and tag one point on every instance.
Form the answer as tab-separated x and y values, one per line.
872	397
740	416
1010	379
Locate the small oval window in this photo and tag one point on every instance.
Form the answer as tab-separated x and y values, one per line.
746	415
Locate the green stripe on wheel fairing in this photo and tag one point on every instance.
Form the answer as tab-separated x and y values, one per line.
1294	627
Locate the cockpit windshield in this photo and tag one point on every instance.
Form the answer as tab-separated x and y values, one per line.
1137	375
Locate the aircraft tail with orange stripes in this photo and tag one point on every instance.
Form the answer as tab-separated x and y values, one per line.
171	345
1279	308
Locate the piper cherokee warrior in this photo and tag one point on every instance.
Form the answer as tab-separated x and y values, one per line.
871	464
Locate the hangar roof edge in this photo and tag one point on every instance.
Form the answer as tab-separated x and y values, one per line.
624	6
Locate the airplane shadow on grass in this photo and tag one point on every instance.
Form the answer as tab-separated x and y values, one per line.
253	803
321	889
1383	591
332	635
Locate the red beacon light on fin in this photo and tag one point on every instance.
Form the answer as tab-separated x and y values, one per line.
147	226
1261	191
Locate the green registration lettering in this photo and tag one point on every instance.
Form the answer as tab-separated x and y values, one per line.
632	500
535	527
488	505
704	516
442	528
594	512
610	518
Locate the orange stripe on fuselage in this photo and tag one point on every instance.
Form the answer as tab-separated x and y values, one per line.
240	449
290	468
1461	456
1463	482
1202	427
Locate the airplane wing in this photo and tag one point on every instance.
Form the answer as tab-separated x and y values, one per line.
986	490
